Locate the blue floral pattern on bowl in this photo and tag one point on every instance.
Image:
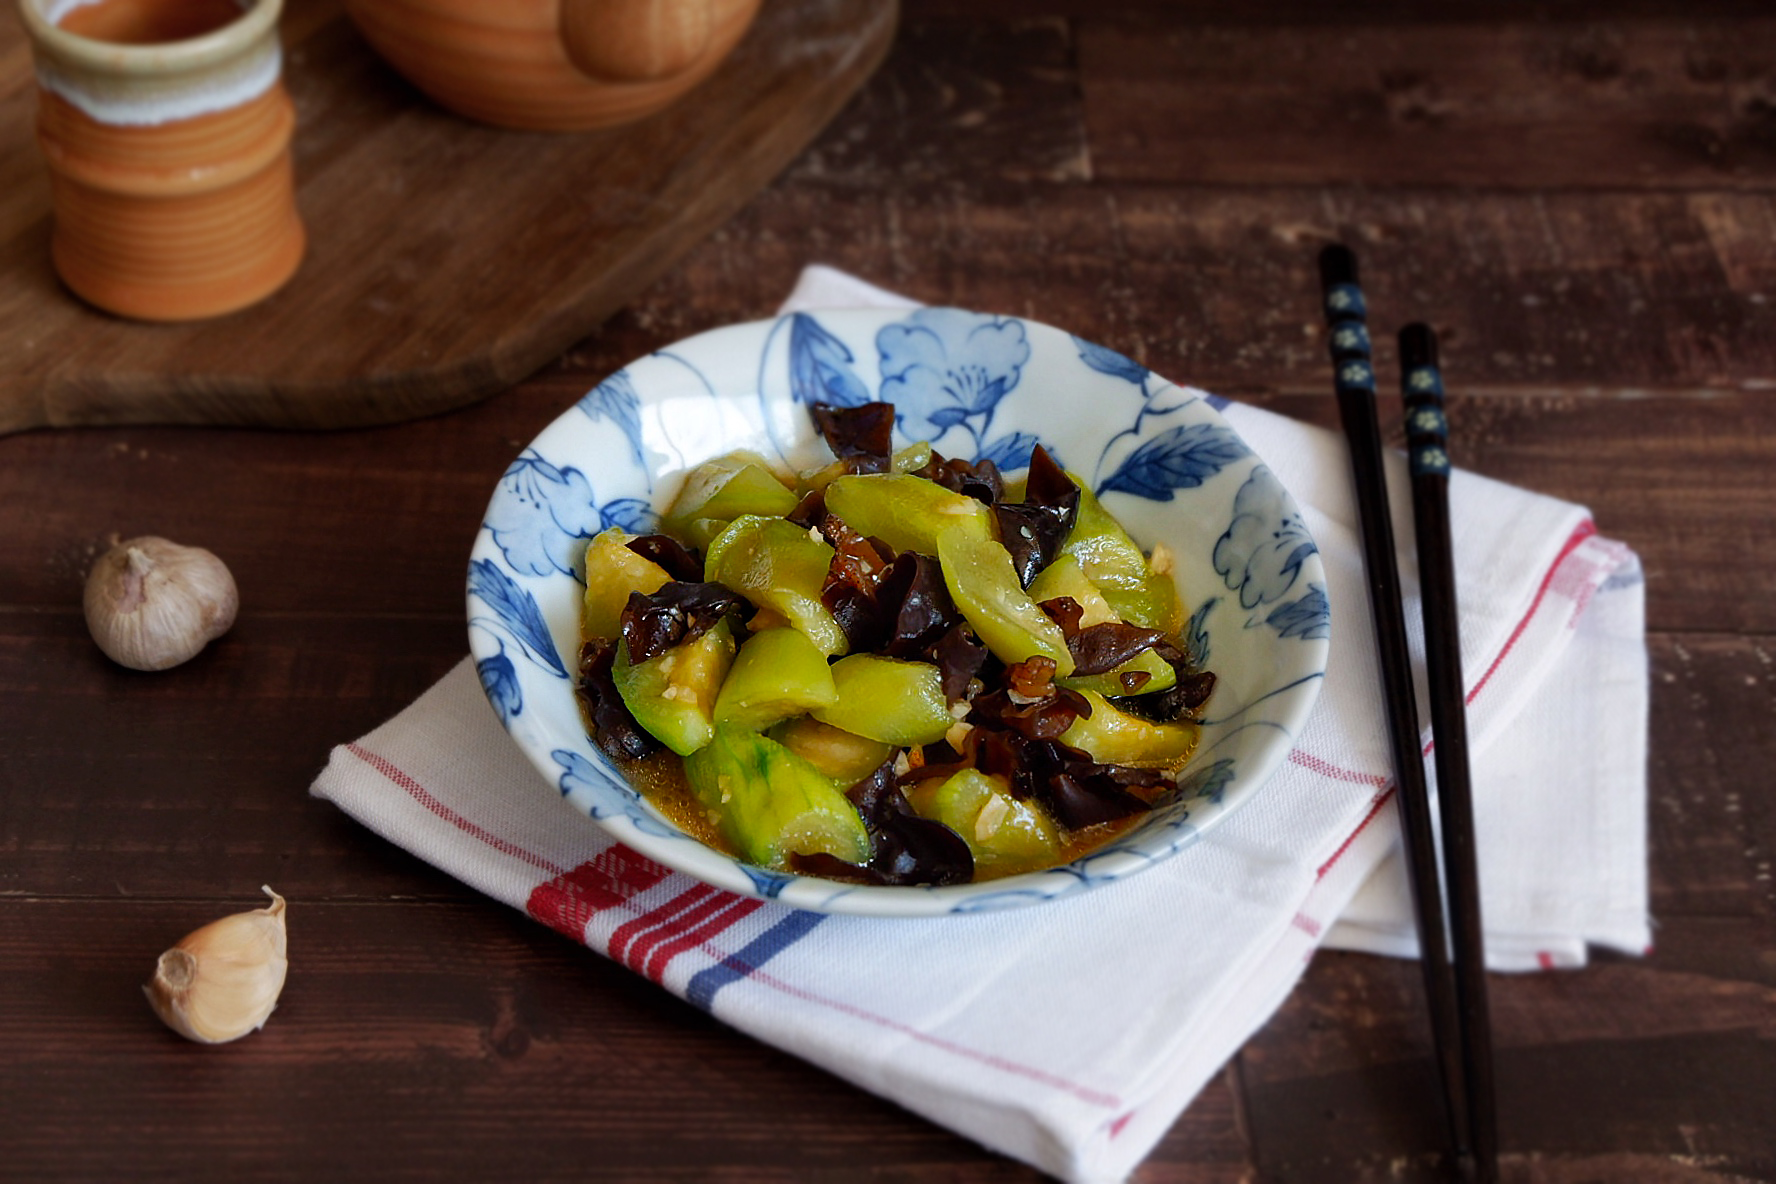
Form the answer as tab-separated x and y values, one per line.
1159	455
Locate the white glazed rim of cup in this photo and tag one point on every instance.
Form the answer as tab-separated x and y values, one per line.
258	20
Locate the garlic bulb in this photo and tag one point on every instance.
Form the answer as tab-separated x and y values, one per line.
151	604
222	981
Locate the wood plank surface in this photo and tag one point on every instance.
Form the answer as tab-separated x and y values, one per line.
1558	292
1151	174
446	260
1656	104
1313	17
578	1048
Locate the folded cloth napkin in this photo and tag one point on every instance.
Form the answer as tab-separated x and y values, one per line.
1071	1034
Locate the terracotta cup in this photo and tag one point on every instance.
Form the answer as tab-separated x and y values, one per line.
166	128
554	65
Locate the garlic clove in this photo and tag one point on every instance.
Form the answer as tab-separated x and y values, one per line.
222	981
152	604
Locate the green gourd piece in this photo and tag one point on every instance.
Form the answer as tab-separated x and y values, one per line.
721	490
1064	577
778	565
778	673
1116	566
1006	836
912	458
905	460
906	512
770	803
985	587
613	571
1115	737
1160	677
844	756
889	700
673	695
700	532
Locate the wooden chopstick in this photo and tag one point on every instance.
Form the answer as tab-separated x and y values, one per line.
1354	382
1427	446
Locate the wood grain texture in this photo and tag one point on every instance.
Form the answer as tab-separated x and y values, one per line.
1570	1095
961	104
1313	17
1608	103
406	1017
446	260
1608	343
1560	293
204	776
542	1060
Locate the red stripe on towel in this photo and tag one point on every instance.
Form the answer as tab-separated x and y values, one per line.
565	902
630	931
1583	531
731	911
424	797
1326	768
648	944
568	902
1380	800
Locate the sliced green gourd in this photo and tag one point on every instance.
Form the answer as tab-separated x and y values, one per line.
770	803
912	458
778	565
905	460
1064	577
778	673
1115	737
613	571
1160	677
700	532
1116	566
889	700
906	512
844	756
722	489
1005	835
673	695
985	587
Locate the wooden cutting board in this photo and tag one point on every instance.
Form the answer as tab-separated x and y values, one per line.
446	260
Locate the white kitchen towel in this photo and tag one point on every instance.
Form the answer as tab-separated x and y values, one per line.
1071	1034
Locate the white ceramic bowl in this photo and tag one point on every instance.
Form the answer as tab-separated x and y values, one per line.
1159	455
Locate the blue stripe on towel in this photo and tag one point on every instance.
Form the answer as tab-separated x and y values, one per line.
754	954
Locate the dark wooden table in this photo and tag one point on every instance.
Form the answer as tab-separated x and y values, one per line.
1582	196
